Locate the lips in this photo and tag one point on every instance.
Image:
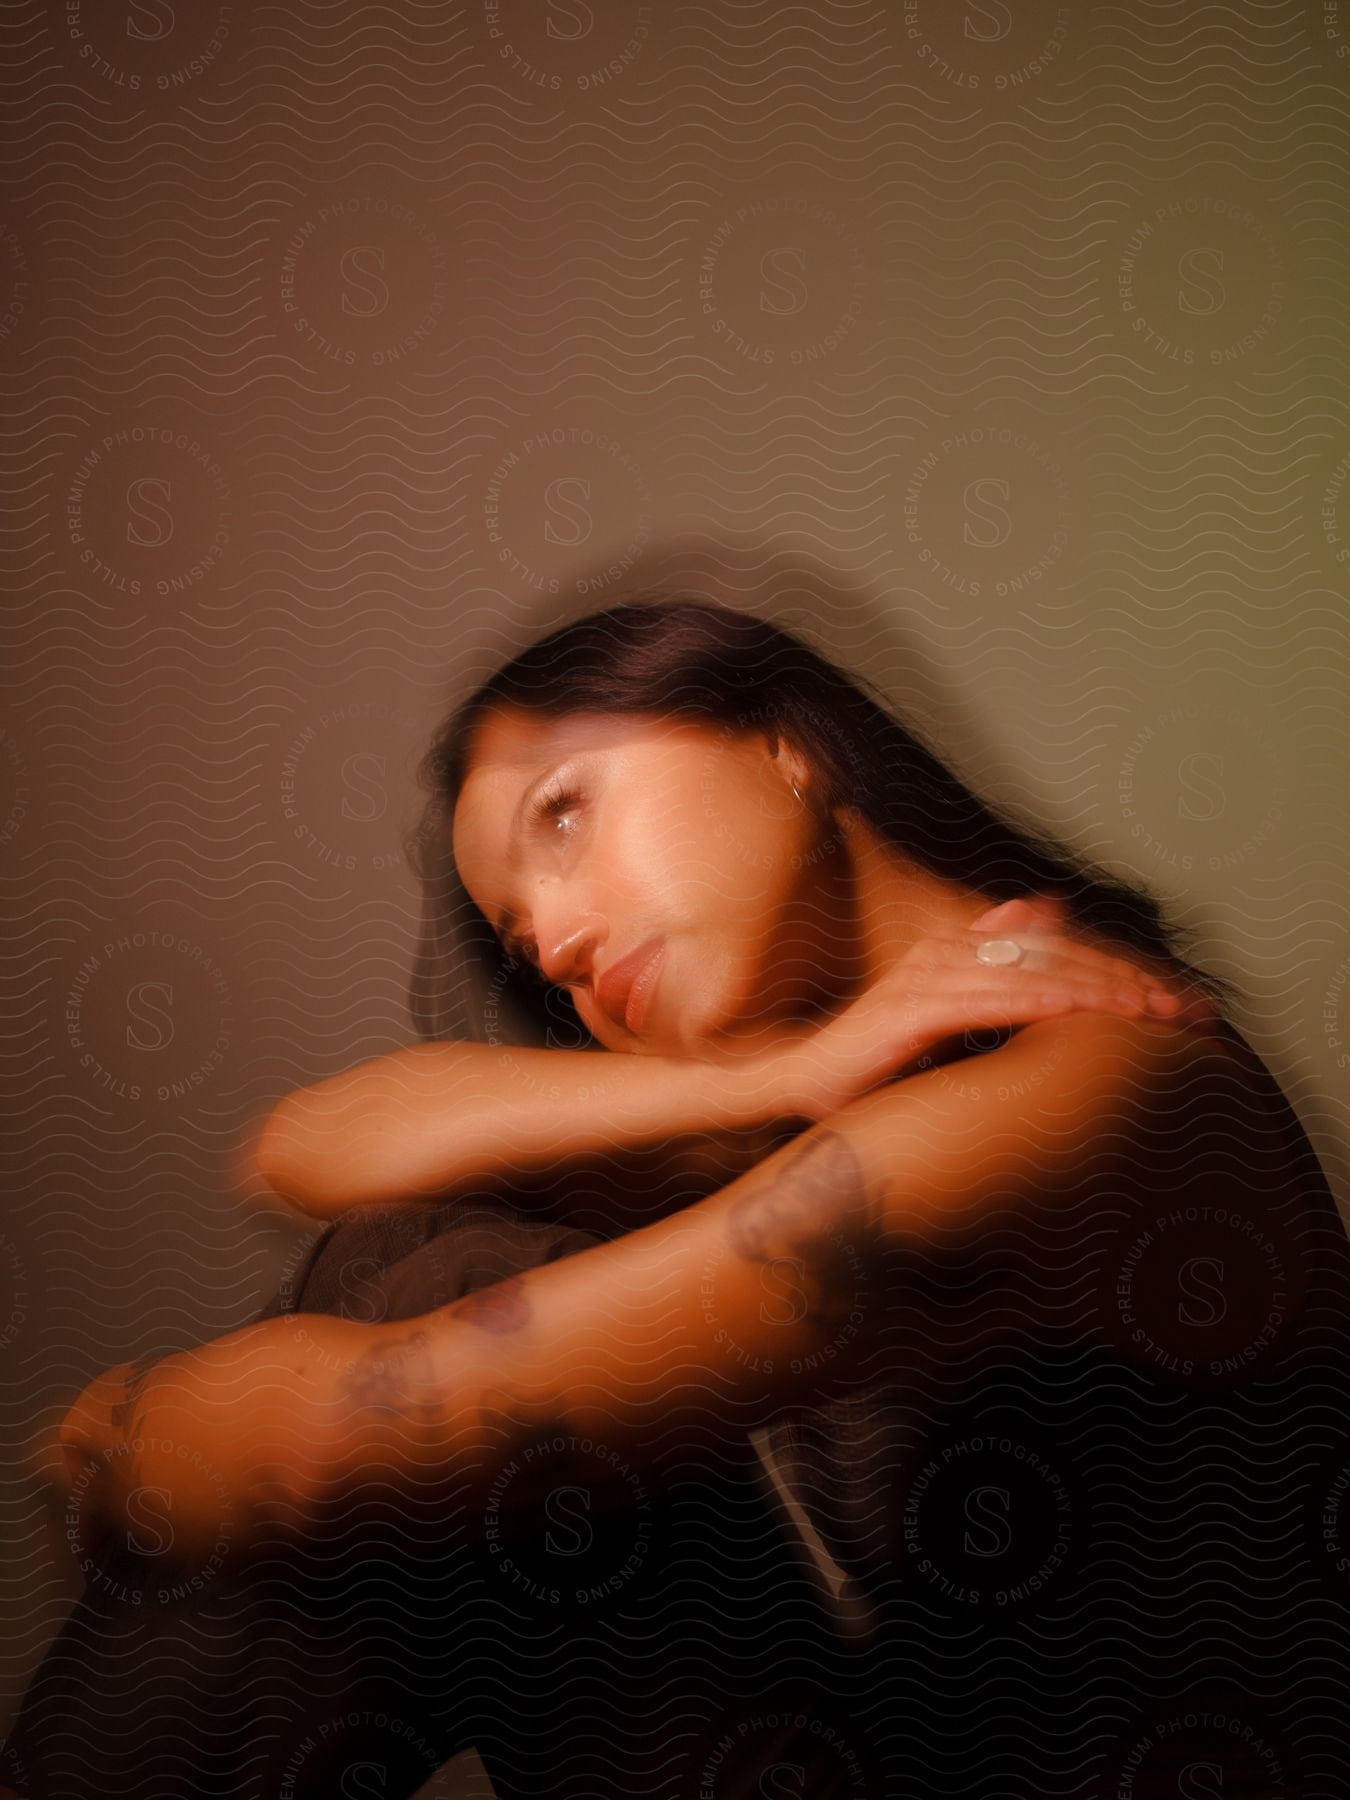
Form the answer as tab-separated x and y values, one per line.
616	986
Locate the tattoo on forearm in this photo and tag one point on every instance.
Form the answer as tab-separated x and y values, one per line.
396	1379
819	1188
814	1212
502	1308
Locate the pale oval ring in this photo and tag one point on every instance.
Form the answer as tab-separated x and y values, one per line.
998	951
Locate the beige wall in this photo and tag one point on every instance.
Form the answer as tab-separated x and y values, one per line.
1001	347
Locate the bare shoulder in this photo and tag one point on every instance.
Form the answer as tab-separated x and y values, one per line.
1060	1104
1085	1066
1101	1047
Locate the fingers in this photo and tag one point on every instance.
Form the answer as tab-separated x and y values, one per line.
1026	1002
1052	982
1028	912
1053	957
1036	997
1101	974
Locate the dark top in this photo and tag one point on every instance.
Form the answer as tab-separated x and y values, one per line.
1117	1552
1110	1557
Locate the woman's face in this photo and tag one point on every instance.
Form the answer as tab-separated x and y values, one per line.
602	834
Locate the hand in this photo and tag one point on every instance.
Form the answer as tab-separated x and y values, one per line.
177	1460
296	1426
938	989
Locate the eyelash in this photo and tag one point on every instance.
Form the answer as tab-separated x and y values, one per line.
558	799
550	804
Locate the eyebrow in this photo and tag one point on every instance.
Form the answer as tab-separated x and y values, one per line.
507	921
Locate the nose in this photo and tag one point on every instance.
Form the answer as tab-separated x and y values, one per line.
567	945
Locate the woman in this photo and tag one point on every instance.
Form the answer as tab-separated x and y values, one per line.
923	1159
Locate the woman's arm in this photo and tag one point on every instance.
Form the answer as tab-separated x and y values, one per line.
423	1121
768	1293
772	1291
416	1124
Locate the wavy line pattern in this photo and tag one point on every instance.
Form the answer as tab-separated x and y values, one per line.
1001	347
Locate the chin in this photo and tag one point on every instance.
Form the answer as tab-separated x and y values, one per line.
677	1031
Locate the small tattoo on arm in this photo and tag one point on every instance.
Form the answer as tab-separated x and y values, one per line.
502	1308
387	1379
818	1188
812	1211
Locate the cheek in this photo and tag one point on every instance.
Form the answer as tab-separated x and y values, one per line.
754	842
659	849
711	847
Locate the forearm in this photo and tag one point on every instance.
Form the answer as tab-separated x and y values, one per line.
840	1260
653	1344
419	1123
780	1289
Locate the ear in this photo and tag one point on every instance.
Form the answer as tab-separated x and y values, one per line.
791	764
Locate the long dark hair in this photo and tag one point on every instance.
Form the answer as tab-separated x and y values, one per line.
677	656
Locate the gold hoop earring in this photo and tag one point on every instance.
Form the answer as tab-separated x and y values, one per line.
796	791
